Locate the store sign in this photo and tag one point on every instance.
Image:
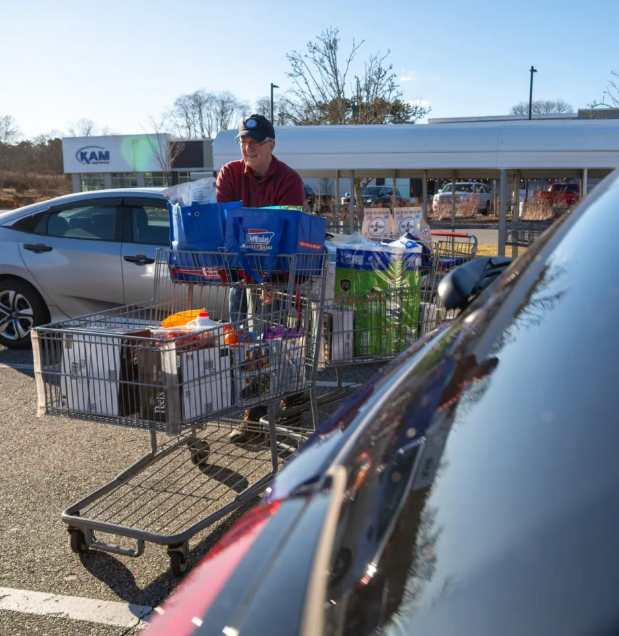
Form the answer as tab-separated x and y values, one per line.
114	153
93	155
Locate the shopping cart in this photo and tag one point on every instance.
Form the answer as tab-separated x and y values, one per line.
121	367
377	326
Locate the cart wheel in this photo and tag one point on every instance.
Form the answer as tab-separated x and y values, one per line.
78	541
200	451
178	563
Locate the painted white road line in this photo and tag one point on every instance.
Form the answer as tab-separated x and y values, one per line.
74	607
18	366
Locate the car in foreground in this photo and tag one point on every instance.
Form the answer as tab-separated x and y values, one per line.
561	194
471	193
471	487
78	254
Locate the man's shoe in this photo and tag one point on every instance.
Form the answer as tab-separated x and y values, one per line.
246	431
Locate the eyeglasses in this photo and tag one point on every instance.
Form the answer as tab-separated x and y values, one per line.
252	144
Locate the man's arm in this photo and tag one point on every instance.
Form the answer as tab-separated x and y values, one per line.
225	186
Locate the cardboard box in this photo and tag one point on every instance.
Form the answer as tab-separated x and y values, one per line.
342	334
183	385
206	382
288	357
99	373
74	393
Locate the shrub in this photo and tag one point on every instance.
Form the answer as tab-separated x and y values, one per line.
21	188
5	202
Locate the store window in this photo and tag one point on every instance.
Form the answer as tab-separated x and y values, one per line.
92	182
124	180
156	179
184	177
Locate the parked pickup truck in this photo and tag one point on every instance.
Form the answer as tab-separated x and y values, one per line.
562	194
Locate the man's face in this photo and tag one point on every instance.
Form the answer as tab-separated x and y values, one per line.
256	154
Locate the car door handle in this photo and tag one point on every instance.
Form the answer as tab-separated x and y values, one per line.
140	259
37	247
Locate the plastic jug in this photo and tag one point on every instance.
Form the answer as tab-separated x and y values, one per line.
202	322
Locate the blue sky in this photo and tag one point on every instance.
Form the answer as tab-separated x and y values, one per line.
119	61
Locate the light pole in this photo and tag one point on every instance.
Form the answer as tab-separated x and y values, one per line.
272	87
533	70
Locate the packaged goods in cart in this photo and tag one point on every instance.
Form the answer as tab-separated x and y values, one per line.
233	336
186	384
99	374
377	224
411	221
381	282
181	318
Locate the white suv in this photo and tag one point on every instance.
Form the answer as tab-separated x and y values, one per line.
466	192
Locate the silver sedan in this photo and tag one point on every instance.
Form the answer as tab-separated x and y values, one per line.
76	255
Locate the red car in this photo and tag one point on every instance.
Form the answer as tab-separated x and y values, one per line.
563	194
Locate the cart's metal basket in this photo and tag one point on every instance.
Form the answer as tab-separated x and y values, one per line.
121	367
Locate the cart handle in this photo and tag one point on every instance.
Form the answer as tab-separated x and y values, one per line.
458	234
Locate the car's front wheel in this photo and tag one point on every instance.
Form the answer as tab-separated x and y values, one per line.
21	309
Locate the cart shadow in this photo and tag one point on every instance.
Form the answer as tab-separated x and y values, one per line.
225	476
111	571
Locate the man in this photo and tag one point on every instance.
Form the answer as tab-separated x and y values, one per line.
259	179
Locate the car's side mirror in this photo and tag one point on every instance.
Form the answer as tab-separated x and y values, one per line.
462	284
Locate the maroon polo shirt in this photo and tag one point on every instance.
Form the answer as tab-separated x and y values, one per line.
281	185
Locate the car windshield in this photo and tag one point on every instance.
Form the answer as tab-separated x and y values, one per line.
564	187
373	191
460	187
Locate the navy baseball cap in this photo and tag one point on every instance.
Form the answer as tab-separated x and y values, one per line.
257	127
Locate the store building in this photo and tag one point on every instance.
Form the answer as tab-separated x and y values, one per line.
130	161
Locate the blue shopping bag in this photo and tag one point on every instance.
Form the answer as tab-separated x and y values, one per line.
260	236
199	227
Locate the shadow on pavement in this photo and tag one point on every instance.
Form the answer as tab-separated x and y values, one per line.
120	579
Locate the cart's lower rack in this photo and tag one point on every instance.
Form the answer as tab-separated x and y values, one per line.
181	487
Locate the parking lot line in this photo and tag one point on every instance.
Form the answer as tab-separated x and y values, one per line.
18	366
77	608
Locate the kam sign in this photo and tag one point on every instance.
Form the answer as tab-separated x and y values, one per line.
114	153
93	155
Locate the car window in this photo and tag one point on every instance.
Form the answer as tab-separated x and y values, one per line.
479	189
447	188
33	224
92	222
150	224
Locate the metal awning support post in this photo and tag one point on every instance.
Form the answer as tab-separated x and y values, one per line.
502	212
336	203
584	181
424	195
453	201
352	201
516	210
319	197
393	198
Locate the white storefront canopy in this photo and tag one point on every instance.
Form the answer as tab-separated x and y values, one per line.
535	148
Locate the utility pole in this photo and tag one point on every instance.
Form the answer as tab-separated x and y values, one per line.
533	70
272	87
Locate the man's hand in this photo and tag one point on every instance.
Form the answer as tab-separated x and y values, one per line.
266	297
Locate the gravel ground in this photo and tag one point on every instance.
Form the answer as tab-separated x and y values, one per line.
50	463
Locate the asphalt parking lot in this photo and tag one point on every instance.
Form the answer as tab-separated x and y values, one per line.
48	464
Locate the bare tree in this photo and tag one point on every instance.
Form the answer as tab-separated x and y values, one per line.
82	128
263	107
203	114
9	135
165	153
610	97
323	93
542	107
